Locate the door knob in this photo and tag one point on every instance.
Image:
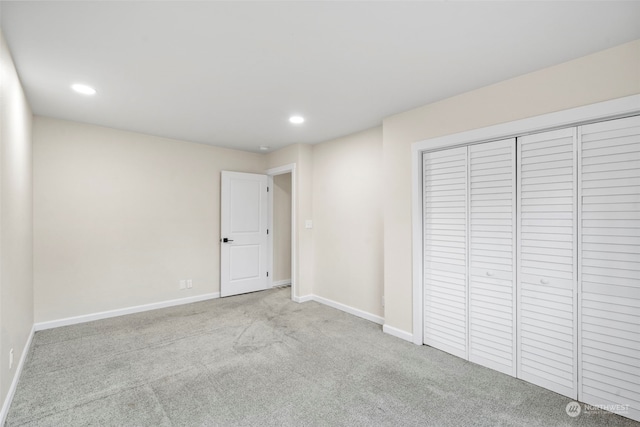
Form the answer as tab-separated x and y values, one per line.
225	240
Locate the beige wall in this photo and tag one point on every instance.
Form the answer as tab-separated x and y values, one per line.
121	217
284	156
282	227
16	219
306	268
602	76
348	228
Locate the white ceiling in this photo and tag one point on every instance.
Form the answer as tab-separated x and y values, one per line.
231	73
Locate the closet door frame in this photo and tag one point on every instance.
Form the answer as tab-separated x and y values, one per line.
615	108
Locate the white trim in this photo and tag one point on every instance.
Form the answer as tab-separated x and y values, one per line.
343	307
578	296
302	299
14	383
280	170
40	326
398	333
348	309
418	245
284	282
515	262
518	263
614	108
467	252
270	191
576	208
561	119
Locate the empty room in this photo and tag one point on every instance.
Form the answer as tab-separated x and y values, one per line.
319	213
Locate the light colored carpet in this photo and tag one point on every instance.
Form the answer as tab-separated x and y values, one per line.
263	360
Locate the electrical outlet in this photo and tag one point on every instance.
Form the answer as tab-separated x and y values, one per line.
308	223
10	358
183	284
189	284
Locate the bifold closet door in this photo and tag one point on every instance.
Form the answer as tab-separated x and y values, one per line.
547	259
492	269
610	265
445	243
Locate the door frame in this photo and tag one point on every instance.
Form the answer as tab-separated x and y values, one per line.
612	109
281	170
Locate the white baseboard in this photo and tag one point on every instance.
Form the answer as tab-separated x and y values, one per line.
398	333
14	384
284	282
122	311
304	298
348	309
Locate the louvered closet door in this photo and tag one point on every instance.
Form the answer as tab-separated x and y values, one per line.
547	275
445	259
492	273
610	264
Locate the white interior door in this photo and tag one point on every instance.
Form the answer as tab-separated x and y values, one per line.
610	265
445	253
492	253
469	253
243	228
547	303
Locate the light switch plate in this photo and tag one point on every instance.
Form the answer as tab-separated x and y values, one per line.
308	224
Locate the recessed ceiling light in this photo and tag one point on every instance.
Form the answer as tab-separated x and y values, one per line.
296	120
264	147
83	89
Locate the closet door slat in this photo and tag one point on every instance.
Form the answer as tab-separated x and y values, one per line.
445	254
610	264
546	283
492	305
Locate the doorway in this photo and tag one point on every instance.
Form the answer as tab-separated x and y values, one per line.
281	230
282	223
